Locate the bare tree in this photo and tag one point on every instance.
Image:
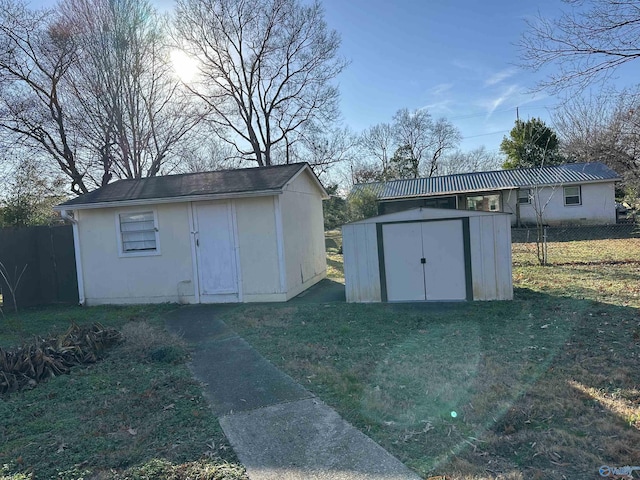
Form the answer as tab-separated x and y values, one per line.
581	123
603	128
379	142
365	172
424	140
91	87
413	134
132	110
266	69
477	160
444	137
35	57
12	282
414	141
211	154
324	149
587	42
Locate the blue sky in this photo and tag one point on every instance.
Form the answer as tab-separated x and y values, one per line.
456	58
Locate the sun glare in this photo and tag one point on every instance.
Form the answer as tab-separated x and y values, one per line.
185	66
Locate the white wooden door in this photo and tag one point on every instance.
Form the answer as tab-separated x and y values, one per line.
424	261
215	250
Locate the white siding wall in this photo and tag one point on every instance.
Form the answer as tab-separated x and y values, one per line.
598	206
110	278
259	263
303	234
509	203
361	266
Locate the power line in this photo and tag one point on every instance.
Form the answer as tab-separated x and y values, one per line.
484	114
485	134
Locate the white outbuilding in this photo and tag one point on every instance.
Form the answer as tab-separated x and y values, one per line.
428	254
249	235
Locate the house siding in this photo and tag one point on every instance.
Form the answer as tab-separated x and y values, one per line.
110	278
597	207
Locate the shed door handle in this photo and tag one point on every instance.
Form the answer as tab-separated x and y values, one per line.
423	260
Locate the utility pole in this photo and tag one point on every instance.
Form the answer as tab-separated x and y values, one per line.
517	115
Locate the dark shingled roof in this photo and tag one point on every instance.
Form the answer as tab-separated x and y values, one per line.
222	182
495	180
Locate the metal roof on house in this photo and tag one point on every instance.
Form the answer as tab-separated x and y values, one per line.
570	173
241	182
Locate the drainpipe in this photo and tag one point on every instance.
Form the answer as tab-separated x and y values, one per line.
70	215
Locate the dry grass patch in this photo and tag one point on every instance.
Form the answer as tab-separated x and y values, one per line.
581	252
143	342
333	243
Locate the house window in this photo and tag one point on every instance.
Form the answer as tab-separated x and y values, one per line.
138	233
485	203
572	196
524	195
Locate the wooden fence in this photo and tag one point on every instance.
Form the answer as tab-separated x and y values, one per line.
50	275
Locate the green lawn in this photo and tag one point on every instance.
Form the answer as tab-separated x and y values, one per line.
136	414
545	386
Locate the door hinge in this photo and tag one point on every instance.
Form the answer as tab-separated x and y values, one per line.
423	260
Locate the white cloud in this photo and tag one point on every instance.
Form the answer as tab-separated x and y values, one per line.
441	107
509	97
440	89
491	104
500	76
463	65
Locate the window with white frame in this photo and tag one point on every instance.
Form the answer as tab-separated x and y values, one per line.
138	233
524	195
572	195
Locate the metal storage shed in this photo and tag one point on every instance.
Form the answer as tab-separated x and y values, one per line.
428	254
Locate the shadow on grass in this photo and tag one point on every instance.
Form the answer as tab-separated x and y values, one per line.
448	388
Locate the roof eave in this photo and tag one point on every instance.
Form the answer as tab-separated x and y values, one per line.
316	180
165	200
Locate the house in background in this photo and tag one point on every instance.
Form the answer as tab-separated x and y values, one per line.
575	193
249	235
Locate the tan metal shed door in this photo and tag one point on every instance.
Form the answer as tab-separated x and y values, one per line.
424	261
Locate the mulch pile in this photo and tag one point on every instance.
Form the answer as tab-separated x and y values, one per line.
42	359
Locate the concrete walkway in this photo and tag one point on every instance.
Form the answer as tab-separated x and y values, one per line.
278	429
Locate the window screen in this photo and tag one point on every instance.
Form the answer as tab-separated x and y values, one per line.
524	195
138	231
572	196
